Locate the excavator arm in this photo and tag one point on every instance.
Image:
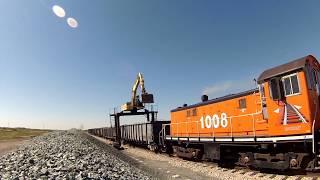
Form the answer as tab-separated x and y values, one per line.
138	81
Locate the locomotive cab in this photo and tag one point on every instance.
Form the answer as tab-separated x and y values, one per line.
291	99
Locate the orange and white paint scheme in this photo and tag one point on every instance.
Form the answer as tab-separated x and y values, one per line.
285	103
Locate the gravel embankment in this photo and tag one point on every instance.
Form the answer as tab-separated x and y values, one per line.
65	155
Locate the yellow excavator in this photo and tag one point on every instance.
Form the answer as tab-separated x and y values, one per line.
135	103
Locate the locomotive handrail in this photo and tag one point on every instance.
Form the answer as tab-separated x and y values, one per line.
253	126
313	133
231	127
162	133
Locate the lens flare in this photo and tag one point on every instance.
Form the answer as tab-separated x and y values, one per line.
58	11
72	22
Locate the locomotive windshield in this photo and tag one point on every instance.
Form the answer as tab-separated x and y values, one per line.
290	85
284	86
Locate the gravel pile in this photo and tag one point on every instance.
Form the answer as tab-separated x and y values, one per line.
65	155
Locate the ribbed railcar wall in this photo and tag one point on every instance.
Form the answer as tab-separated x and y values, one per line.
109	133
143	133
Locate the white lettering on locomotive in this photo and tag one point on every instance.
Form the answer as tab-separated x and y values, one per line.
215	121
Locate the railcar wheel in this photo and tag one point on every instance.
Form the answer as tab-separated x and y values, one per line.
245	159
153	147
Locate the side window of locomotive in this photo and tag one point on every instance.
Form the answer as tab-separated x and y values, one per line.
318	88
261	90
315	75
188	113
242	103
194	112
275	93
311	78
291	85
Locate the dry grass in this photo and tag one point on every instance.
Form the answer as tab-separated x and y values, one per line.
17	133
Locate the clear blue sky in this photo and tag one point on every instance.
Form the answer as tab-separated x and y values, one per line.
54	76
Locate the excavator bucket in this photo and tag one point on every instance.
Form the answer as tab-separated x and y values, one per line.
147	98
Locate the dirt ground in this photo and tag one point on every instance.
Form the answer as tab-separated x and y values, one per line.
12	138
19	133
10	145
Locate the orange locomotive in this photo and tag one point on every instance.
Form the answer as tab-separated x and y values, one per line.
274	126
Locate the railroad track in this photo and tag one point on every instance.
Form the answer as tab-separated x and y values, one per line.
256	173
212	169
